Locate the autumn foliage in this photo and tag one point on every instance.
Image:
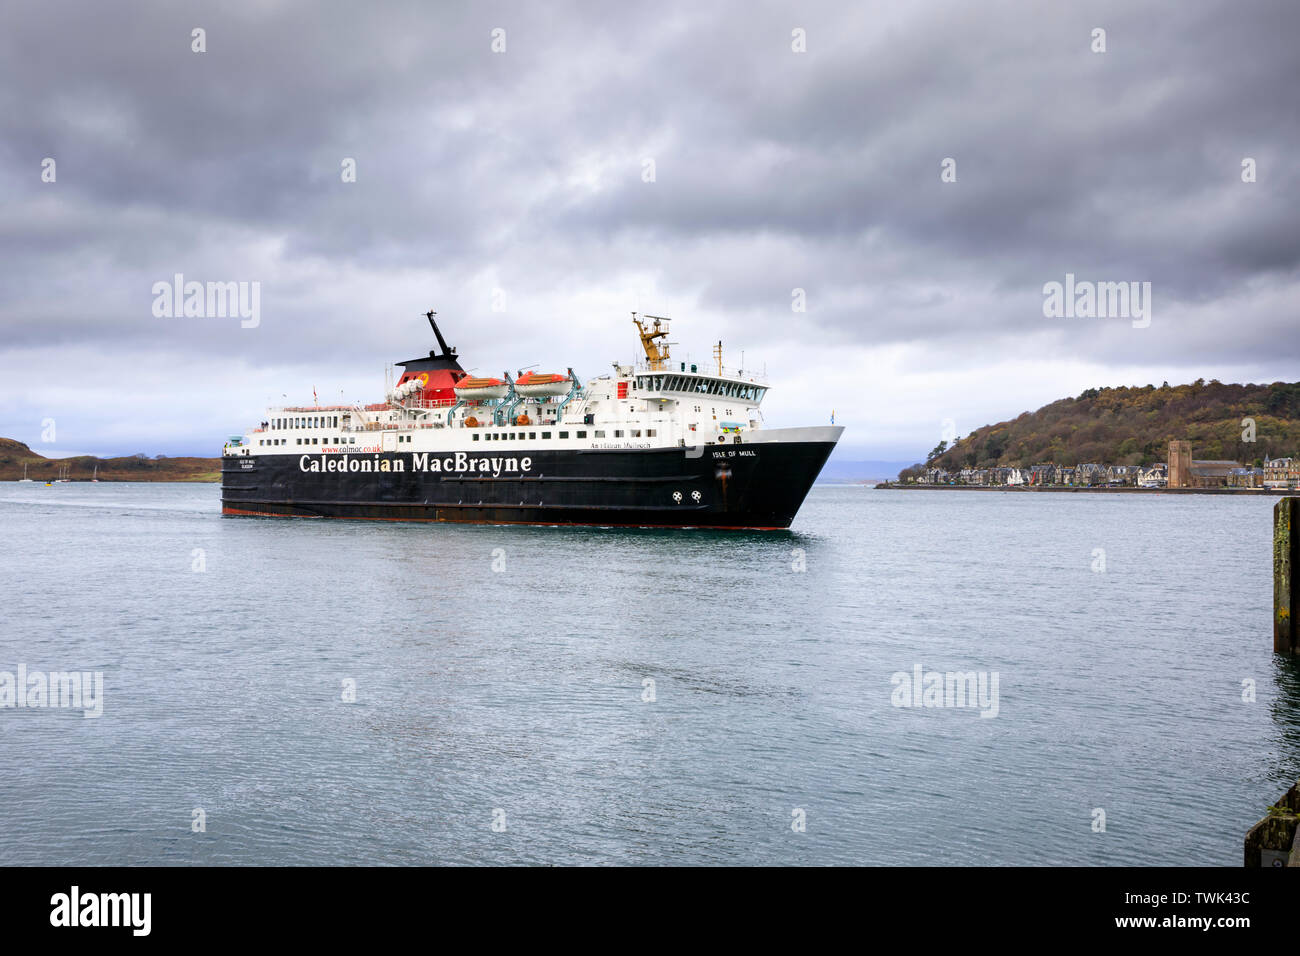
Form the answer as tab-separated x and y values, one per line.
1133	426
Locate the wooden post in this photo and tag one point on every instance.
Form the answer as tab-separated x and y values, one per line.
1275	840
1286	559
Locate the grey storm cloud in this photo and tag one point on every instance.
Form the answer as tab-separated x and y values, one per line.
774	170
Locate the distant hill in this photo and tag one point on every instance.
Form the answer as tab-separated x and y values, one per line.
1133	426
14	454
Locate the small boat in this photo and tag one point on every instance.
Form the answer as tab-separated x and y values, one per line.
481	389
64	471
542	385
95	476
24	477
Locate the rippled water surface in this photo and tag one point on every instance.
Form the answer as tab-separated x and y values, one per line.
517	694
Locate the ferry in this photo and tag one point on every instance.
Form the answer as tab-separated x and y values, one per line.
655	443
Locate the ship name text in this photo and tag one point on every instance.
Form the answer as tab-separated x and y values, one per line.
458	463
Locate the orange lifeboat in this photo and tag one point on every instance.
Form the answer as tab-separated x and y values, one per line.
481	389
542	385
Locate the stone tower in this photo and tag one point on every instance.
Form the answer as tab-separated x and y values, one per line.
1180	464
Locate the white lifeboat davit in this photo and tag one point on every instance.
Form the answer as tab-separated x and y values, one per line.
481	389
542	385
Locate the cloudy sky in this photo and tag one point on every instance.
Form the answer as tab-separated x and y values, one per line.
511	190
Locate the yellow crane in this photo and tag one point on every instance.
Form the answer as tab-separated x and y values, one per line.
656	354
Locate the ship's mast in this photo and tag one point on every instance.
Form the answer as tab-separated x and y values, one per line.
442	343
656	354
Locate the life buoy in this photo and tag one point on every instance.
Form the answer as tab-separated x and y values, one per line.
523	420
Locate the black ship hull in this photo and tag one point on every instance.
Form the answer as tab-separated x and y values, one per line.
745	486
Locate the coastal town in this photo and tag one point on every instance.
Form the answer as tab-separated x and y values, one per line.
1181	471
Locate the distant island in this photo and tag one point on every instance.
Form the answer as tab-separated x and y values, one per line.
14	455
1245	437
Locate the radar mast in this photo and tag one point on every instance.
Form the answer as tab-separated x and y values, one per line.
656	353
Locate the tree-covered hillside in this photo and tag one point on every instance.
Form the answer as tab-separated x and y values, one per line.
1133	426
14	455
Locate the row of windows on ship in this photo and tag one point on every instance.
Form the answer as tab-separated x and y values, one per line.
487	436
697	386
332	421
310	421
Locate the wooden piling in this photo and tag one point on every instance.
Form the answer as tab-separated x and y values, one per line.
1286	559
1275	840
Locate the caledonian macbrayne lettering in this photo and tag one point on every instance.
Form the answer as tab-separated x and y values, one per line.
459	463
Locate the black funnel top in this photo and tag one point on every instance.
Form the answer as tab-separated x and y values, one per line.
443	358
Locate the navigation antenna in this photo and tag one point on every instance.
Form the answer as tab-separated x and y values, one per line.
656	354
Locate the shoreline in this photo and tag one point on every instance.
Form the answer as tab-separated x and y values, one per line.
203	479
1040	489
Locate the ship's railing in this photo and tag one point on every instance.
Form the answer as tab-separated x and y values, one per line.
675	367
389	426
